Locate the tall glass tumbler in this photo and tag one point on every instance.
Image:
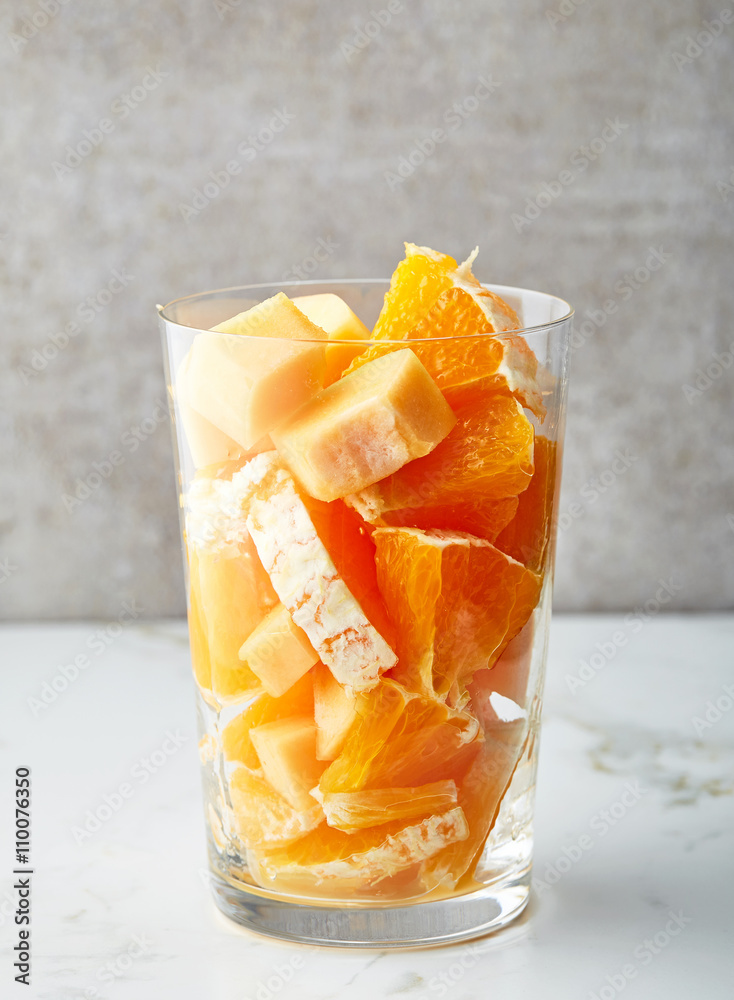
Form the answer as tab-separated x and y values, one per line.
368	625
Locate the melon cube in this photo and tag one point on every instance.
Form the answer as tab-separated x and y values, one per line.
334	316
256	369
278	652
365	426
287	753
334	713
208	445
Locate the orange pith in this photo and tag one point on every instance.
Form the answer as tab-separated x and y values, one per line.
401	780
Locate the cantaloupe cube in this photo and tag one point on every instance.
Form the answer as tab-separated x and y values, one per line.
208	445
278	652
334	713
334	316
365	426
287	753
256	369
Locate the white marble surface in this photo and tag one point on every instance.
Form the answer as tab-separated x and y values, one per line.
130	902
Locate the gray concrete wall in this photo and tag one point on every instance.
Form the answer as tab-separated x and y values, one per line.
171	91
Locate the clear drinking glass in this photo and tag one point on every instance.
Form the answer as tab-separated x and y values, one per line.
418	827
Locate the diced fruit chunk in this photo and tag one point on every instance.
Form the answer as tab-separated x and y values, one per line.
207	443
350	811
287	752
236	743
401	739
305	578
365	427
455	342
487	456
262	817
330	861
333	315
334	713
278	651
256	370
235	595
457	602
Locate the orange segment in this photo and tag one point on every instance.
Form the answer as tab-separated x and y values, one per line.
414	287
328	861
457	602
526	537
262	817
350	811
417	283
486	457
236	743
401	739
483	519
507	363
480	795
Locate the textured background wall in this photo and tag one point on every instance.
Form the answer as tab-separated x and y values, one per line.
95	231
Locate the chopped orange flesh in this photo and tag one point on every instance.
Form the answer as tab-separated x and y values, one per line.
457	602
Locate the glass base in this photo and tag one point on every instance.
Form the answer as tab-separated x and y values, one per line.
440	921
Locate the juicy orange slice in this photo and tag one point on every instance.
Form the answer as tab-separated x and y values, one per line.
466	351
401	739
526	536
486	457
262	817
236	742
480	796
417	283
457	602
350	811
328	861
485	519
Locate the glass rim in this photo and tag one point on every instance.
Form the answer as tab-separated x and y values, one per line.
497	289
